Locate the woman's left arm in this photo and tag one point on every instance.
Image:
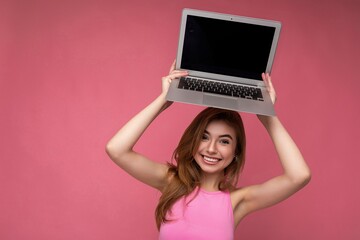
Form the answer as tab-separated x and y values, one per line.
296	173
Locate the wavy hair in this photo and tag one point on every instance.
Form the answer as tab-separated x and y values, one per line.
185	175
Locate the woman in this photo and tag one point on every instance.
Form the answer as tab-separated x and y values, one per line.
200	199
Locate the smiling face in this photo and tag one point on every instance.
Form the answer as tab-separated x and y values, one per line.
217	148
205	153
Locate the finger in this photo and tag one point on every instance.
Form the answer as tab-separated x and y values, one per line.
177	74
269	81
268	77
178	71
263	76
172	68
174	74
270	87
265	79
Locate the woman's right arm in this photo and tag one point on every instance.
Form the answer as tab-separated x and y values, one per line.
120	146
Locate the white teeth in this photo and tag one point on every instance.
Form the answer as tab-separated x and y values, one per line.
210	159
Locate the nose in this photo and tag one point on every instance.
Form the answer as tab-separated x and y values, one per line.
211	147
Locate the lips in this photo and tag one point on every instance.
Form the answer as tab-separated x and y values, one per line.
210	160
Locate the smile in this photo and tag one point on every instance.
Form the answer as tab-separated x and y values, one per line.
210	160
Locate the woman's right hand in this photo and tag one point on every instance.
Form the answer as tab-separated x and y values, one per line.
172	75
166	81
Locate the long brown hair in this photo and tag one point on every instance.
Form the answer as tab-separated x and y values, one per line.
185	175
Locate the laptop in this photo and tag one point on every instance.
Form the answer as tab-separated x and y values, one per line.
225	56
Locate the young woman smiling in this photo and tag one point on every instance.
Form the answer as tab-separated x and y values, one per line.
200	198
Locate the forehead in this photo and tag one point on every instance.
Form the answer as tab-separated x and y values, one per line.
220	127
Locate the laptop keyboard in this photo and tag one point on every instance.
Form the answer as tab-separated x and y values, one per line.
228	89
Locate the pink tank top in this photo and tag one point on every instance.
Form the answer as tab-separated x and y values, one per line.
207	216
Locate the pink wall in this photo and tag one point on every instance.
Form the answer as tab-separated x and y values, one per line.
69	77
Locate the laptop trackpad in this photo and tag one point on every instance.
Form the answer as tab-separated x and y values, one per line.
220	102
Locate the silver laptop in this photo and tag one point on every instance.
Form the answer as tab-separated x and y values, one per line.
225	56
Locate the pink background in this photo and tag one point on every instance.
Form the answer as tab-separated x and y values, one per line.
70	76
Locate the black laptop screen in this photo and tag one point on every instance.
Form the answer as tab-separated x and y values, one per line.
226	47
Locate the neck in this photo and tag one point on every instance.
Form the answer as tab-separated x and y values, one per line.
210	182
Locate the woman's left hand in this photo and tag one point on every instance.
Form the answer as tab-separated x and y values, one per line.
269	87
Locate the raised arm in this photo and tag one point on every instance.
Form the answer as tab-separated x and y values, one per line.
296	173
120	146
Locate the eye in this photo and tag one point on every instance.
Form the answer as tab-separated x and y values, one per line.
225	141
205	137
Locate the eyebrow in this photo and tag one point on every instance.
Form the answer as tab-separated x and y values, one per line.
224	135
